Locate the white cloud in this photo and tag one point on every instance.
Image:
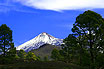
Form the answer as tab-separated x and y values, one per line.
9	5
59	5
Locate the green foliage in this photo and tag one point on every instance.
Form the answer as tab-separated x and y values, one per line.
9	58
41	65
22	54
69	48
38	58
84	59
17	57
86	45
46	58
5	38
31	56
89	30
55	54
12	51
100	61
6	45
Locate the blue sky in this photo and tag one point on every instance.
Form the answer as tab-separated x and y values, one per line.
28	18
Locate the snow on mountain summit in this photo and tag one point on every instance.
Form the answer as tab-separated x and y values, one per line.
41	39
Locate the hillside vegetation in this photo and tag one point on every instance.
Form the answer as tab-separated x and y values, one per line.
41	65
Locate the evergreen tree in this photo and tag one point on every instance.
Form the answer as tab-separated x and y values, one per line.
12	51
86	44
90	27
7	49
5	39
69	48
55	54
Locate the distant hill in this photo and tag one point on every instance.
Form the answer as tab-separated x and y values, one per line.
45	50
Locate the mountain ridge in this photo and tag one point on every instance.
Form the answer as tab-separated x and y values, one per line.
41	39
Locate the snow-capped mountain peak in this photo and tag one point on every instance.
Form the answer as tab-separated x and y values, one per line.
41	39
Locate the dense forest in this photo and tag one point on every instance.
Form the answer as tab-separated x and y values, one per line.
82	49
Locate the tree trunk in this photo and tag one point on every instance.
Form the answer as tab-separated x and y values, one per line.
91	49
4	46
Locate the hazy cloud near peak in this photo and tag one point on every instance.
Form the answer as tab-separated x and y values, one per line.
59	5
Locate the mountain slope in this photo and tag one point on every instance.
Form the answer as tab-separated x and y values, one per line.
45	50
38	41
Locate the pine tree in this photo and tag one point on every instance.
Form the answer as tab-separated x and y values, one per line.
55	54
7	49
90	27
69	48
5	39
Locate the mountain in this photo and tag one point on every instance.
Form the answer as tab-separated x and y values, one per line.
45	50
38	41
